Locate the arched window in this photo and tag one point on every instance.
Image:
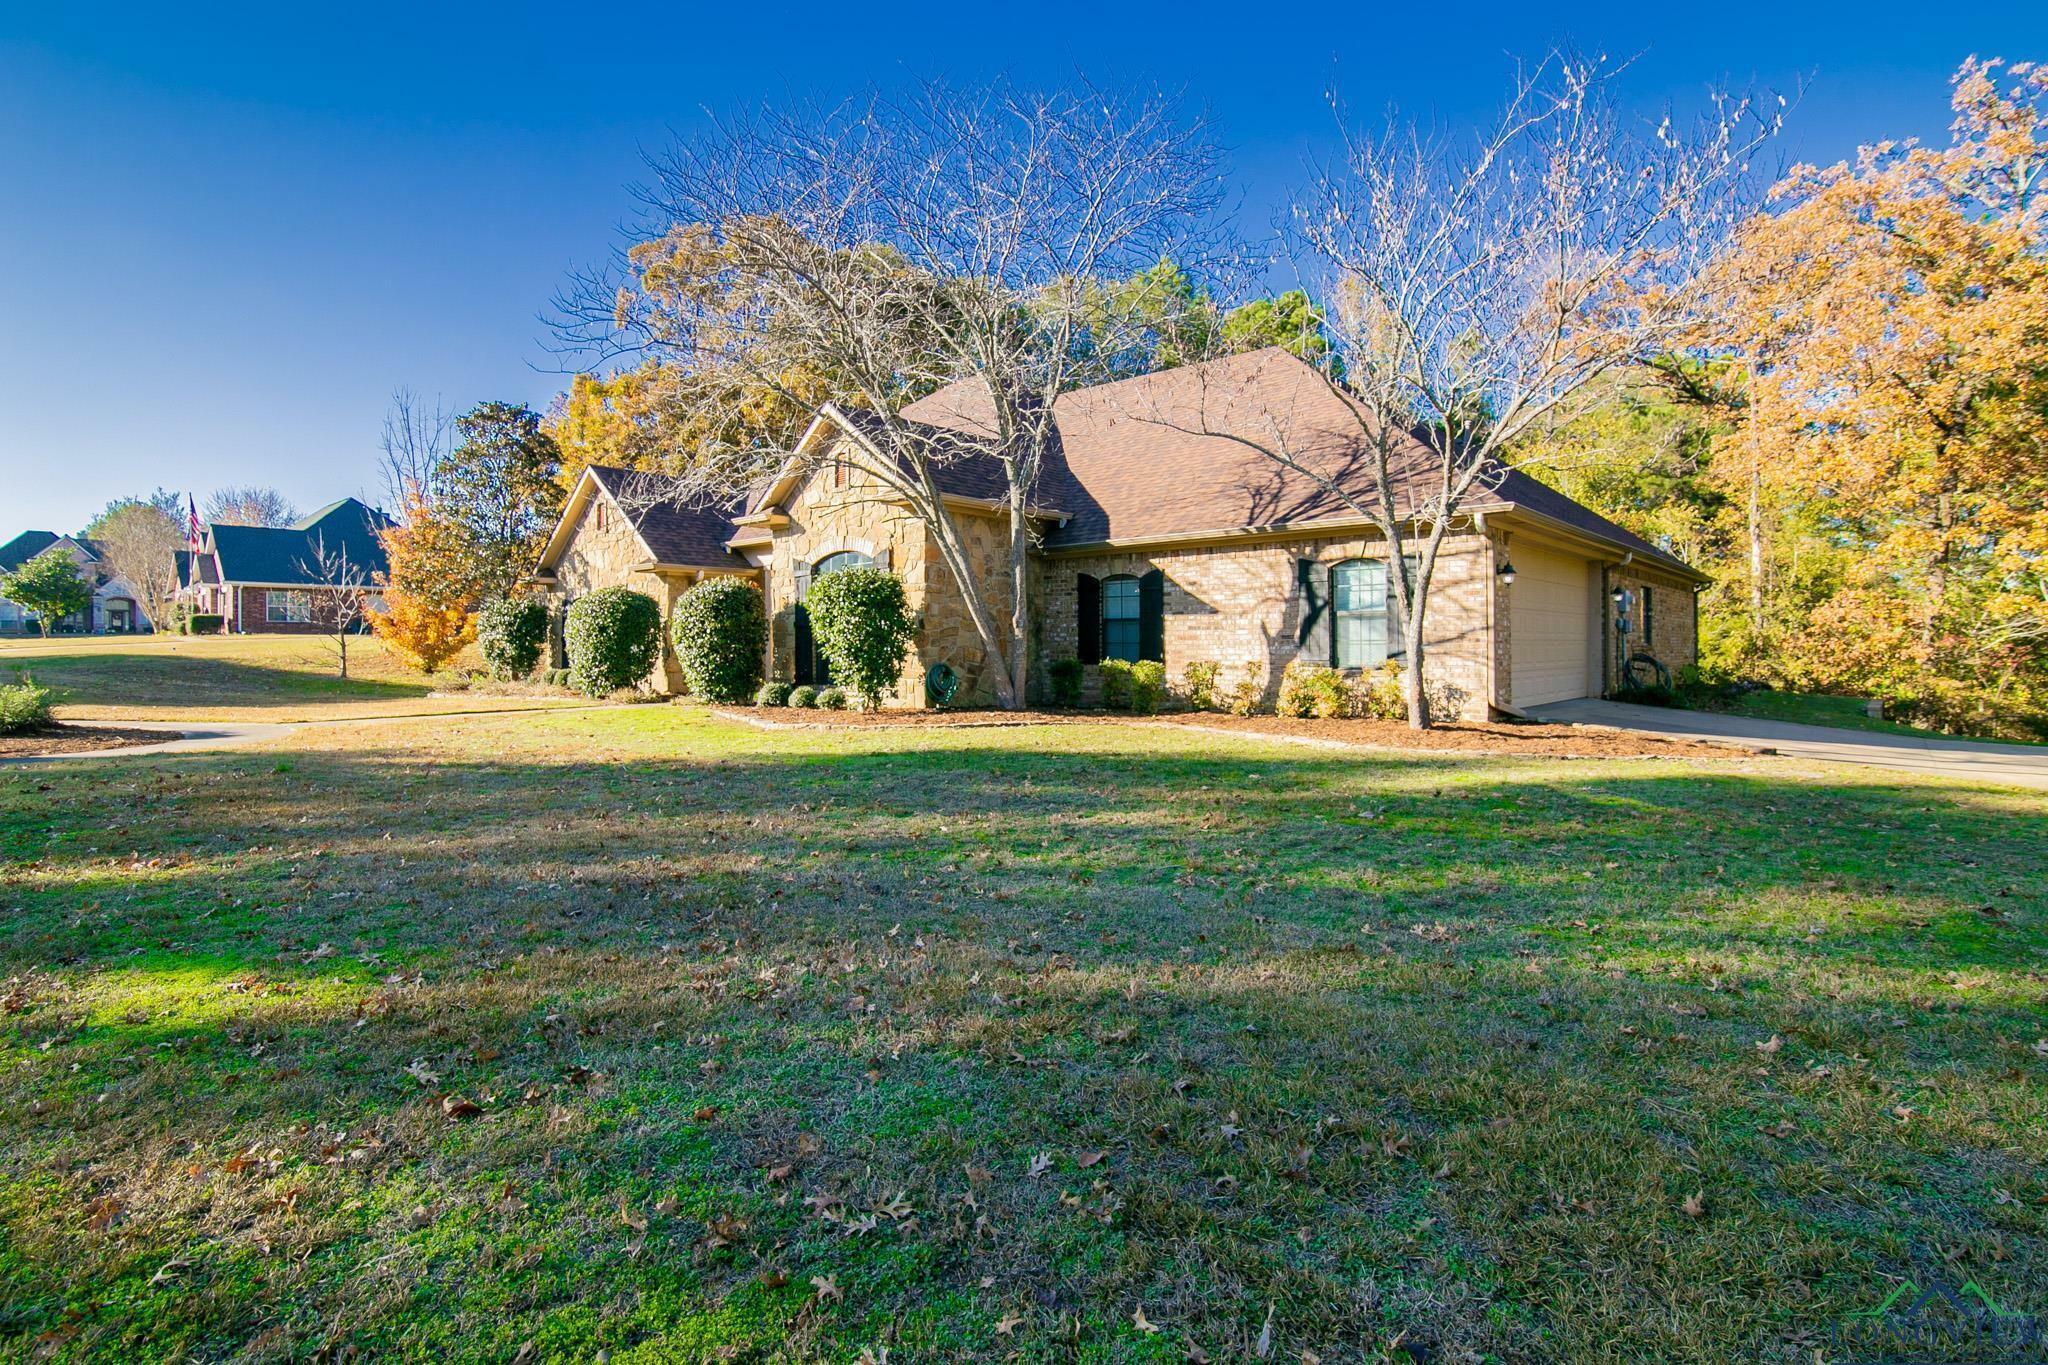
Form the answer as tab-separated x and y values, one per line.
845	559
1121	636
1358	589
811	664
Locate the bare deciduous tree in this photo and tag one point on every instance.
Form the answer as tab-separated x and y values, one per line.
416	439
1472	287
249	506
138	541
874	252
337	603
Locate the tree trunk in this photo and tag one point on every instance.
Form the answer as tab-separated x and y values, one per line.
1020	606
1756	556
1418	699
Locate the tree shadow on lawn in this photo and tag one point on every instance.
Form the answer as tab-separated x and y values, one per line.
173	682
1358	1040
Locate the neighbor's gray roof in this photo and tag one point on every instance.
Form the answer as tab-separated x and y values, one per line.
25	547
290	554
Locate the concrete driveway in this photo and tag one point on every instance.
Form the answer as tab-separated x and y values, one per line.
2019	765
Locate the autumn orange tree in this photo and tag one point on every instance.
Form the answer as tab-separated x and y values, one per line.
1889	320
426	617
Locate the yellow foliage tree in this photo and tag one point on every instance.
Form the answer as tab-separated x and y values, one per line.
1891	317
426	618
424	635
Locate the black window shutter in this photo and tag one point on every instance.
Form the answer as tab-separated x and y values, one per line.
1088	623
805	651
1314	599
1152	616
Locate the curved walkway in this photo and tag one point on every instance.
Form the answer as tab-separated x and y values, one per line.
2019	765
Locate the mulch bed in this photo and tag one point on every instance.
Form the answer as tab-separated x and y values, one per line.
1503	737
76	739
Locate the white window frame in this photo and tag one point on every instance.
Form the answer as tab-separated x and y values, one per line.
287	607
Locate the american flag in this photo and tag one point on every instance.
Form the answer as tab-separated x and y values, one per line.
192	524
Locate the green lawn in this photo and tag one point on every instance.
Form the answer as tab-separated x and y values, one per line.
233	678
638	1032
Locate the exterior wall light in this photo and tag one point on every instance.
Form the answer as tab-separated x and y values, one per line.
1507	572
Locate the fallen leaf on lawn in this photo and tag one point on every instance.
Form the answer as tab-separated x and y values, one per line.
827	1287
1007	1324
2041	1048
778	1174
1695	1205
1263	1347
1783	1128
1138	1321
1087	1159
1902	1112
1040	1164
1770	1045
706	1114
421	1072
772	1279
456	1107
101	1212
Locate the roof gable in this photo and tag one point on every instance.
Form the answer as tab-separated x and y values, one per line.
290	554
25	547
674	528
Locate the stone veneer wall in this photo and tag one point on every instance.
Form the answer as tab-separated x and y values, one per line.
1241	606
827	516
949	635
605	559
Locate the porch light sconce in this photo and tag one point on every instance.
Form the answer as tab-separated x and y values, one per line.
1507	572
1620	596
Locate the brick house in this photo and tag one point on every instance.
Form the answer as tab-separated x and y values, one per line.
115	609
1160	534
270	579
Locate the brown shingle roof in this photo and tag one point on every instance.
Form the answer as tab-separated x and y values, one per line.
1170	454
678	529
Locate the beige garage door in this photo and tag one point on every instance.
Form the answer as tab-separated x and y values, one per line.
1552	625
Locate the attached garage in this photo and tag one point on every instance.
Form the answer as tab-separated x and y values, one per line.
1551	627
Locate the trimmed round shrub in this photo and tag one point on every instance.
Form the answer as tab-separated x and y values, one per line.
832	699
861	621
1148	686
614	640
24	707
803	697
1201	679
1311	690
1066	677
510	634
721	632
773	694
1116	684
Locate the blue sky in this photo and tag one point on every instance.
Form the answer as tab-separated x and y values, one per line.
225	237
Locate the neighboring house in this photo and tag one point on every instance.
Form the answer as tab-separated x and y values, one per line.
115	609
270	580
1159	536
